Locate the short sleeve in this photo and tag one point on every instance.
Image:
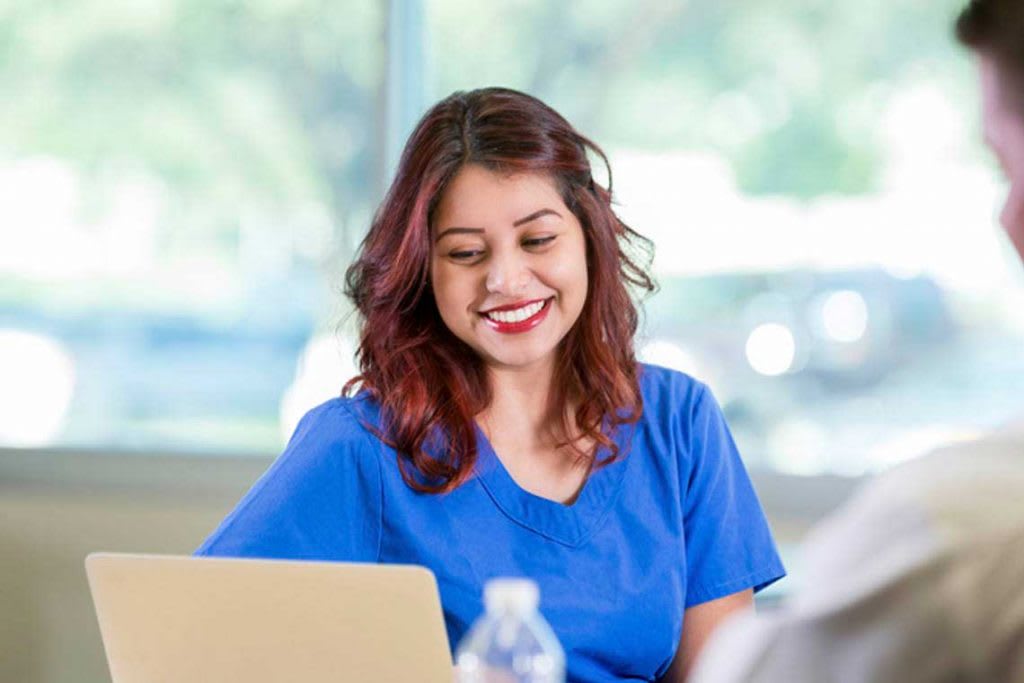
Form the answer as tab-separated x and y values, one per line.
729	546
320	499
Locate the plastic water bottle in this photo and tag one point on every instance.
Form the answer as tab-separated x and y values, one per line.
510	642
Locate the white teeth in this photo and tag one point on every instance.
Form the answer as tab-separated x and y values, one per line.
516	315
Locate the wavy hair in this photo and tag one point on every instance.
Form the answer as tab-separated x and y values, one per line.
429	384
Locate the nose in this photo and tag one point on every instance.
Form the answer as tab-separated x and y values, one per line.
507	275
1012	216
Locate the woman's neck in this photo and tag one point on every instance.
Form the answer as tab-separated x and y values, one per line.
532	437
521	403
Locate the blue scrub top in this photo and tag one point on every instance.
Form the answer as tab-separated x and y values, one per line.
673	524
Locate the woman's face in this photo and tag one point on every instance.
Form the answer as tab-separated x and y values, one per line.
508	266
1004	133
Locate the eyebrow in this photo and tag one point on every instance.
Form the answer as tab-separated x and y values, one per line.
522	221
535	215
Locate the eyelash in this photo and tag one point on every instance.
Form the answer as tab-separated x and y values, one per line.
463	255
539	241
466	255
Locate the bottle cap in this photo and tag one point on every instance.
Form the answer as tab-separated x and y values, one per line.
511	595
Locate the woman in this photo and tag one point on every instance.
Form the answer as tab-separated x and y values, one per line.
502	425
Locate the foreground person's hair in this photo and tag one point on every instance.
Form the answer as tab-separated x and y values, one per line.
431	385
996	28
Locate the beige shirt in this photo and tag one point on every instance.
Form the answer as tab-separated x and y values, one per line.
918	578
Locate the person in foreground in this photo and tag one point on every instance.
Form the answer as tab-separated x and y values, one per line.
921	576
500	424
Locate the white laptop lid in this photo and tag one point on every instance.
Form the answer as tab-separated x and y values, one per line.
173	619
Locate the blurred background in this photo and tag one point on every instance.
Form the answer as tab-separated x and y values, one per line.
183	183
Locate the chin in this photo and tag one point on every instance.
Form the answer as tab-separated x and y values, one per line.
517	360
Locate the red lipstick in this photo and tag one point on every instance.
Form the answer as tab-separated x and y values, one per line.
520	326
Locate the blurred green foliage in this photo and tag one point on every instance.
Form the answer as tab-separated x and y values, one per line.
232	105
783	88
275	104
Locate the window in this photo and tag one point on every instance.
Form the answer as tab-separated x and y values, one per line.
182	184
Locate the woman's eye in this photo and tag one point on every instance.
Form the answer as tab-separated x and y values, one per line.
464	254
539	241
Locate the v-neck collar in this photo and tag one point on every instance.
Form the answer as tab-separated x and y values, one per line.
569	525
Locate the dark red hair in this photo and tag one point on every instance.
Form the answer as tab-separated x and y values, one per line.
430	385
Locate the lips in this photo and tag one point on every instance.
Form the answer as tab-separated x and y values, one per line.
516	318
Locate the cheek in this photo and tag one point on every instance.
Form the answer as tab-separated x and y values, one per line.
582	277
570	273
439	287
451	292
582	272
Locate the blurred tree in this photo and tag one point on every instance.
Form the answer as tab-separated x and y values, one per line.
784	88
237	107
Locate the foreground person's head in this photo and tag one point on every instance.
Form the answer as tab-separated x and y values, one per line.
994	29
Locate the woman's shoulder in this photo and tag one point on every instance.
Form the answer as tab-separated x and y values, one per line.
665	388
338	422
343	408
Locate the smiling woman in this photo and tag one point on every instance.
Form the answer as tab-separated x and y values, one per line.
526	271
497	372
494	206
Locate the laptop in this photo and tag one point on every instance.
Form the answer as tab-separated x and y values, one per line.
173	619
